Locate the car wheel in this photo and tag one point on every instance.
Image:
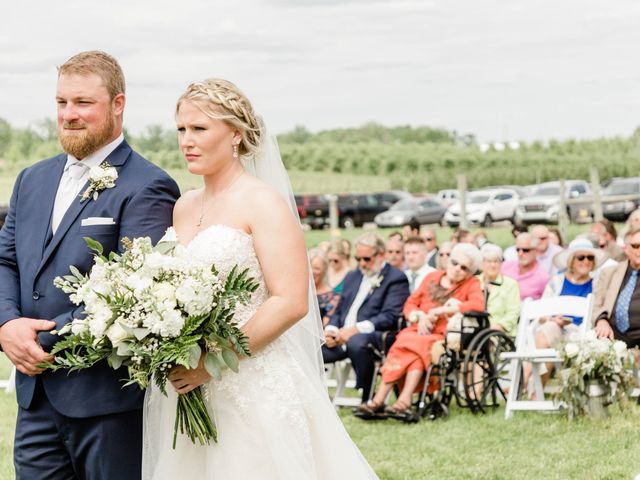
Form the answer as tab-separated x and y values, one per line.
348	222
487	221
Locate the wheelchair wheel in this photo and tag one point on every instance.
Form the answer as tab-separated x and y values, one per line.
484	375
435	405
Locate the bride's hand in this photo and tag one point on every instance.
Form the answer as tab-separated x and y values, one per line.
186	379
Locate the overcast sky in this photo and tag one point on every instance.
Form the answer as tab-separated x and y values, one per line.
502	69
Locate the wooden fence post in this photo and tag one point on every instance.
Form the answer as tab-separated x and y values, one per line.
597	198
462	191
563	218
333	216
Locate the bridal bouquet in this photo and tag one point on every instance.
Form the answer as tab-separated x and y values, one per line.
594	362
151	309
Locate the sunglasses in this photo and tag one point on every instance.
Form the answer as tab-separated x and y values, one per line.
523	250
363	259
581	258
456	263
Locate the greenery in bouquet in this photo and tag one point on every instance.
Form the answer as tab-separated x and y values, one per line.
150	309
594	361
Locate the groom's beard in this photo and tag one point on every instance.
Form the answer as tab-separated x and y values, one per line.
82	143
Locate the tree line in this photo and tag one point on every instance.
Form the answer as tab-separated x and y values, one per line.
417	159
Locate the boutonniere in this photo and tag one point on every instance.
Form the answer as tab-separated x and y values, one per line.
100	177
375	282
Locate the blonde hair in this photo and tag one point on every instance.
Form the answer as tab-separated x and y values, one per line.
222	100
98	63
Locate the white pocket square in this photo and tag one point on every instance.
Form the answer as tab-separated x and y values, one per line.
86	222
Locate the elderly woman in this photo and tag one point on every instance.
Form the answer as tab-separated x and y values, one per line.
502	294
444	252
338	255
327	297
579	261
441	295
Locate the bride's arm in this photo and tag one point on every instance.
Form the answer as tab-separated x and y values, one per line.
281	251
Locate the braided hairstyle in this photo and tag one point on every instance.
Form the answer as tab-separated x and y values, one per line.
222	100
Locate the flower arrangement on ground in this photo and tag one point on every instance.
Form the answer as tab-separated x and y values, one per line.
151	309
592	360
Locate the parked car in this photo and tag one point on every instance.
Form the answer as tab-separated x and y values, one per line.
313	209
421	210
356	209
619	211
521	190
544	205
447	197
485	207
4	209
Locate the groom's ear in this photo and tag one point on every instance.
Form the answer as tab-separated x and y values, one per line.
118	103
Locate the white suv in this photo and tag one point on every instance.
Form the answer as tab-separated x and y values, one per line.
484	207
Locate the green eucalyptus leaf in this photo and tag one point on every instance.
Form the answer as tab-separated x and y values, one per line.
94	245
194	356
212	365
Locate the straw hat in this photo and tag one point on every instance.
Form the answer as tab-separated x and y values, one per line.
580	244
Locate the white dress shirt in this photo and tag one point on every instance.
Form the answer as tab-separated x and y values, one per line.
75	175
416	278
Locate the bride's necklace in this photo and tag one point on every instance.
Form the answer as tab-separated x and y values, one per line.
202	212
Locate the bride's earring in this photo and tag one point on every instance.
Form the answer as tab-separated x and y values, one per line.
235	150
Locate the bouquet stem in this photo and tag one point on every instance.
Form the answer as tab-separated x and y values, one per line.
193	419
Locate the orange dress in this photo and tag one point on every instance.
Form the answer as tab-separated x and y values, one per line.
411	351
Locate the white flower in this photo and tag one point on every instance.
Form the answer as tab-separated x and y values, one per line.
155	261
116	334
164	292
590	335
169	236
571	349
100	177
620	348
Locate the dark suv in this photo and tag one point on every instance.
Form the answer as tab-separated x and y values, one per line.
358	208
313	209
620	210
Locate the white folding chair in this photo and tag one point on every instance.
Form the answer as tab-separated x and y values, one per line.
9	384
341	376
526	350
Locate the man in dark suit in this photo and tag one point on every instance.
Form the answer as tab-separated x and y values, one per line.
83	424
371	303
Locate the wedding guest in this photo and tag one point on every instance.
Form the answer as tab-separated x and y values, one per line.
510	252
431	242
460	235
443	255
480	238
370	304
633	222
324	246
415	255
607	239
555	237
411	229
327	297
501	293
441	295
338	265
546	249
396	236
578	262
526	270
616	308
394	253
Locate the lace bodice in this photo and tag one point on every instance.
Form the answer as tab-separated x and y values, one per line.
226	247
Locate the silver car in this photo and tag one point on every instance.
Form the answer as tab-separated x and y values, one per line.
421	210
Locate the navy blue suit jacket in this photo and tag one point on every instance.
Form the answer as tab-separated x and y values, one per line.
382	306
141	204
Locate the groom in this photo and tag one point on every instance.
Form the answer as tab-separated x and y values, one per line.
82	424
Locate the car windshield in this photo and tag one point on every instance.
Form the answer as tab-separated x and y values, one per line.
548	190
405	204
625	188
478	199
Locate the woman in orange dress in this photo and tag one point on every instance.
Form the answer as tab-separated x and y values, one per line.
441	294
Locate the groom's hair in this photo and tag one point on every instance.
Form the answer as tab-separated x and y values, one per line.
99	63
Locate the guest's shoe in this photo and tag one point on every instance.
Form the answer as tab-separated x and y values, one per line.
401	411
370	411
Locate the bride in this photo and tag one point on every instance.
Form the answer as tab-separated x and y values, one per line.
274	418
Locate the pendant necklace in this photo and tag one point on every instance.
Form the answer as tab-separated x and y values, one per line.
218	195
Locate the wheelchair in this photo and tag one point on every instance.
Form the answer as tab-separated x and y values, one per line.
466	367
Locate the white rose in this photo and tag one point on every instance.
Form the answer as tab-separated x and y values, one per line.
155	261
164	291
96	173
620	348
78	326
116	334
571	349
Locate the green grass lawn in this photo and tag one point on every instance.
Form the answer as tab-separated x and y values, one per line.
464	446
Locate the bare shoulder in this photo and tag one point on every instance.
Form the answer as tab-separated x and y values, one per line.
187	200
263	201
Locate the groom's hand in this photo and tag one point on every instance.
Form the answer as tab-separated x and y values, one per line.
19	340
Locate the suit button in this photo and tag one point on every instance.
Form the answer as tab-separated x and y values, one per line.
36	295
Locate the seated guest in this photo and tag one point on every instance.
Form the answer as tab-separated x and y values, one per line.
480	238
441	295
431	241
616	308
510	252
327	297
555	237
526	270
394	253
633	222
338	264
607	239
460	235
411	229
371	304
578	262
397	235
546	249
415	256
443	255
501	293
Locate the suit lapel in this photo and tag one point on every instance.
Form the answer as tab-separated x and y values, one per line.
616	285
48	191
382	273
116	159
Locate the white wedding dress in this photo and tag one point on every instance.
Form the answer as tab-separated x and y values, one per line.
273	421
